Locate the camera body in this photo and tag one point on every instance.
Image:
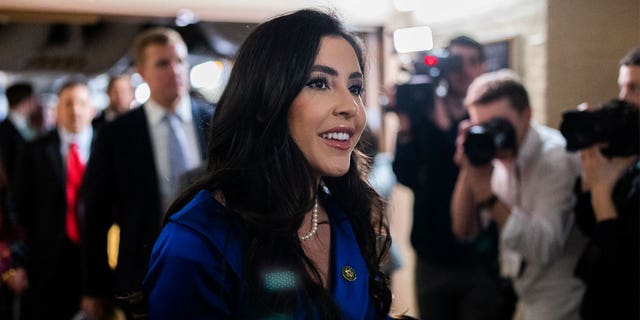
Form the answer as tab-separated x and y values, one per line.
484	141
438	63
614	123
416	98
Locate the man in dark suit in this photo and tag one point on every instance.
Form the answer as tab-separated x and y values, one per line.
48	181
15	130
120	93
133	174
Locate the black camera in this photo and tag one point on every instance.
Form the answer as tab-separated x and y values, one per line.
415	99
485	140
438	63
614	123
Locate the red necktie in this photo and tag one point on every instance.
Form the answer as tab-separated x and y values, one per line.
75	169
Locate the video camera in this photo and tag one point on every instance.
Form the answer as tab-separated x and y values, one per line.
416	97
614	123
484	141
438	63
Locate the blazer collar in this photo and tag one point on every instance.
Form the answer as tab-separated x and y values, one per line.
350	294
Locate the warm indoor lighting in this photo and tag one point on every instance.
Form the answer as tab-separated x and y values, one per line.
405	5
434	12
206	75
413	39
142	93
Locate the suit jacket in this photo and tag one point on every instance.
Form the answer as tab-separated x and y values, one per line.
196	268
53	264
121	186
100	120
11	144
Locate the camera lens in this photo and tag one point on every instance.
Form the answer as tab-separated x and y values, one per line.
614	123
479	146
484	141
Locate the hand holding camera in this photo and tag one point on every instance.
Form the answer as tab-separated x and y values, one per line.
495	138
607	140
599	171
477	146
615	124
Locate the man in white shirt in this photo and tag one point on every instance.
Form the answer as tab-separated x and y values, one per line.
135	168
527	193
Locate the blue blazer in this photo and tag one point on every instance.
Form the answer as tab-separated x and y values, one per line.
196	266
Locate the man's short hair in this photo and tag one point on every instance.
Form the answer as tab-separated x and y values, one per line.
72	83
465	41
18	92
154	36
113	79
632	58
497	85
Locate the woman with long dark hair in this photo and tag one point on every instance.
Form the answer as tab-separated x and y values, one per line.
284	224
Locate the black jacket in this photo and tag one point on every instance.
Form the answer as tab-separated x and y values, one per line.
121	186
11	144
610	264
53	262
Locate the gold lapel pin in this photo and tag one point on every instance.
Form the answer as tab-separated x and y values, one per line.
348	273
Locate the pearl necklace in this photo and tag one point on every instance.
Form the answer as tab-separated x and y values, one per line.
314	223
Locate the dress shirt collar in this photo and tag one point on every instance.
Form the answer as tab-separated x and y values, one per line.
82	139
155	112
21	123
529	145
109	115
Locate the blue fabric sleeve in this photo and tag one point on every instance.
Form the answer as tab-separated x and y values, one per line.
188	277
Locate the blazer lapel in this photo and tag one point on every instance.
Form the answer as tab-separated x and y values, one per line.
202	120
144	160
350	274
54	157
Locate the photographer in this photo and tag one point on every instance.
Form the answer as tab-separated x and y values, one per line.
453	280
525	189
607	211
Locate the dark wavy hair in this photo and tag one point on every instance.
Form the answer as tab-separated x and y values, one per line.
263	175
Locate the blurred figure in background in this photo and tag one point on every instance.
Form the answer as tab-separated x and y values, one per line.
629	77
13	276
16	130
43	118
49	177
382	180
450	109
134	170
608	212
525	189
121	99
453	280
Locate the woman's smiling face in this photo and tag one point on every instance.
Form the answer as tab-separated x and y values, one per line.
327	117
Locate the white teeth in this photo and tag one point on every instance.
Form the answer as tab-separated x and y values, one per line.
341	136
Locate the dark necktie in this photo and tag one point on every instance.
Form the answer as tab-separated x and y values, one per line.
177	158
75	169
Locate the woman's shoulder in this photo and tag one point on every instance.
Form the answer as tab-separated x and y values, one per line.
206	224
203	211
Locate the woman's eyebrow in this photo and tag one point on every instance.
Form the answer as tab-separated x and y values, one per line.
356	75
325	69
333	72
